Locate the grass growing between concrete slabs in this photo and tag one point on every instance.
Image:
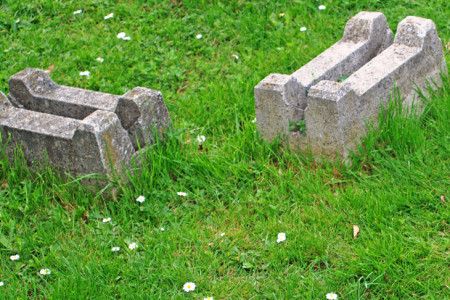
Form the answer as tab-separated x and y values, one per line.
240	193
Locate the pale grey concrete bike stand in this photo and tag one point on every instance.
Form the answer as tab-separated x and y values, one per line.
77	130
335	113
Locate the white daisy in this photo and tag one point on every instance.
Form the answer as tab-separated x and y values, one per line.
303	28
222	234
331	296
281	237
281	15
115	249
208	298
108	16
140	199
121	35
198	36
99	59
14	257
189	286
45	272
85	73
2	283
162	229
127	38
77	12
132	246
254	120
322	7
235	56
182	194
201	138
106	220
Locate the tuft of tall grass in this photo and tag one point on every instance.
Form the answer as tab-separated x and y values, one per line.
403	131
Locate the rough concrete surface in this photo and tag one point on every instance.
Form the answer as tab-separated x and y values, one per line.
335	113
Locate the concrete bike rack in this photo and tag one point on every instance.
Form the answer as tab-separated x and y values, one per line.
335	113
77	130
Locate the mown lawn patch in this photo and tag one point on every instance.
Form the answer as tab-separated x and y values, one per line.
212	214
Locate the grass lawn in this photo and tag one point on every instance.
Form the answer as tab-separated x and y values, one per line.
206	56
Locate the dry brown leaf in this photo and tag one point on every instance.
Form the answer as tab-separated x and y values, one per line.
355	231
50	69
4	185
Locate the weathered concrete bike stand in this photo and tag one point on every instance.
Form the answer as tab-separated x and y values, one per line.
77	130
335	114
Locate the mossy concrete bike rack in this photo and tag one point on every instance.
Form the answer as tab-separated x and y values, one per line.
77	130
335	114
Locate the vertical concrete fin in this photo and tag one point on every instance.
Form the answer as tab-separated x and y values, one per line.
149	113
273	104
365	35
102	134
331	119
413	59
24	85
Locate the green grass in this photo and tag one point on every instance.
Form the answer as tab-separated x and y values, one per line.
241	186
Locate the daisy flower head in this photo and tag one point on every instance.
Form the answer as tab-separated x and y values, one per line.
123	36
222	234
235	56
322	7
14	257
182	194
189	287
198	36
2	283
281	237
77	12
303	28
201	138
106	220
140	199
109	16
115	249
132	246
85	73
331	296
99	59
281	15
45	272
208	298
162	229
254	120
